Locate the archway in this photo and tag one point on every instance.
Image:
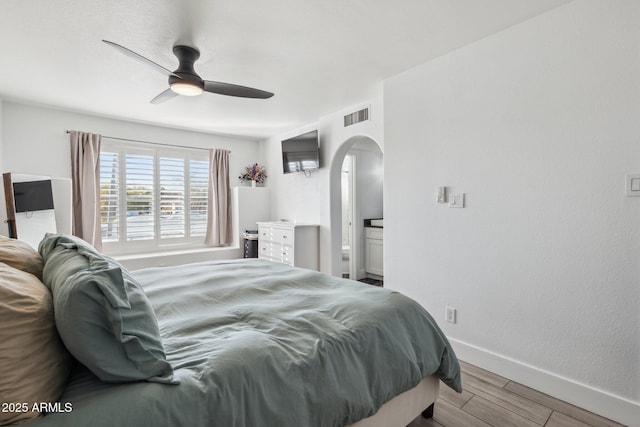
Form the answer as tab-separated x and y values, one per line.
359	146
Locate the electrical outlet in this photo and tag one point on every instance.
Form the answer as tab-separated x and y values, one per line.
451	314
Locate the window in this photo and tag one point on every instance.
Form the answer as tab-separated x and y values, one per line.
152	198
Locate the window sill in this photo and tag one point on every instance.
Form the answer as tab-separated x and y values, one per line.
176	257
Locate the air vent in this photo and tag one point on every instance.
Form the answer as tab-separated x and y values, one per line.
357	117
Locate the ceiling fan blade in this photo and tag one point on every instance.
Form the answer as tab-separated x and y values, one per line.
141	58
164	96
235	90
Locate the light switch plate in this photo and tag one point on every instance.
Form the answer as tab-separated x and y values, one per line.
456	200
632	185
442	194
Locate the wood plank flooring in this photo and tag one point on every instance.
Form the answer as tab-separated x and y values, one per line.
489	400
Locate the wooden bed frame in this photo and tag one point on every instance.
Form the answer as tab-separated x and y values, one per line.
405	407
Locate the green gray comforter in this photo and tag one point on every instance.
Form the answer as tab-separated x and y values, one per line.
256	343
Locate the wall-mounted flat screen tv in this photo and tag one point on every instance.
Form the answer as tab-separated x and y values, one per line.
32	196
301	153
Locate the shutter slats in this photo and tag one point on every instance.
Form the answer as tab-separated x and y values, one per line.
140	197
172	195
199	184
109	196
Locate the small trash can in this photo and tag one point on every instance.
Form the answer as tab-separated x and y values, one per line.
250	243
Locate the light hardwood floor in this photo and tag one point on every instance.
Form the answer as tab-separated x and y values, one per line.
488	400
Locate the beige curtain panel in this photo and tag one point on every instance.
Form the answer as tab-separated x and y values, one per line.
85	178
219	232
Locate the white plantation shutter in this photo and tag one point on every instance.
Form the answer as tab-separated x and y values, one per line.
199	184
140	200
172	195
110	196
150	198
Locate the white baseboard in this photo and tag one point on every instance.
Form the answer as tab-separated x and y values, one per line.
597	401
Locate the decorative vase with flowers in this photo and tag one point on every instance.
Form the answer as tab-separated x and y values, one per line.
254	173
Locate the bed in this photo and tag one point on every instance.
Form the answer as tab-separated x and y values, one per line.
248	343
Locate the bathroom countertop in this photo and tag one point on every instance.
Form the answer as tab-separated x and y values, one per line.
367	223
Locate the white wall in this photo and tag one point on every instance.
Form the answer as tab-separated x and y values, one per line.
538	125
251	205
34	142
369	182
297	198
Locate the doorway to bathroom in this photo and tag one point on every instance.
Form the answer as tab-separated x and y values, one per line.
360	181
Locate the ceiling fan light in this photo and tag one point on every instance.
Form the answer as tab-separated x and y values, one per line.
187	89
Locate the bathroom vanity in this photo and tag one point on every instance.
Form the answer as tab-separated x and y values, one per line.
373	248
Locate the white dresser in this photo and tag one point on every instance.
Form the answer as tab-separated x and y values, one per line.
290	243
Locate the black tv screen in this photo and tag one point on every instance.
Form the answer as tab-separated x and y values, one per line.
301	153
32	196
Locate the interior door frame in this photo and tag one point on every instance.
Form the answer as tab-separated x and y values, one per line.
354	252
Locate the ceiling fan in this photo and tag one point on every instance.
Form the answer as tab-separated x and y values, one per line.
185	81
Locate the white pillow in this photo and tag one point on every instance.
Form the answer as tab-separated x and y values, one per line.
20	255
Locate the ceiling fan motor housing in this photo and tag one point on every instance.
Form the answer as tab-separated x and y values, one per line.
186	72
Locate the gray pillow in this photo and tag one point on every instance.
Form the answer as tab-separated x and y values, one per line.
102	314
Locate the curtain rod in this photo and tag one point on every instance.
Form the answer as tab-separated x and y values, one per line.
152	143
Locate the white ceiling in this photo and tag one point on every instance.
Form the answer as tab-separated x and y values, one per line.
317	56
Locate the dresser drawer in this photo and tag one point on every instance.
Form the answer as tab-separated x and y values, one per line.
264	249
286	254
282	235
264	233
